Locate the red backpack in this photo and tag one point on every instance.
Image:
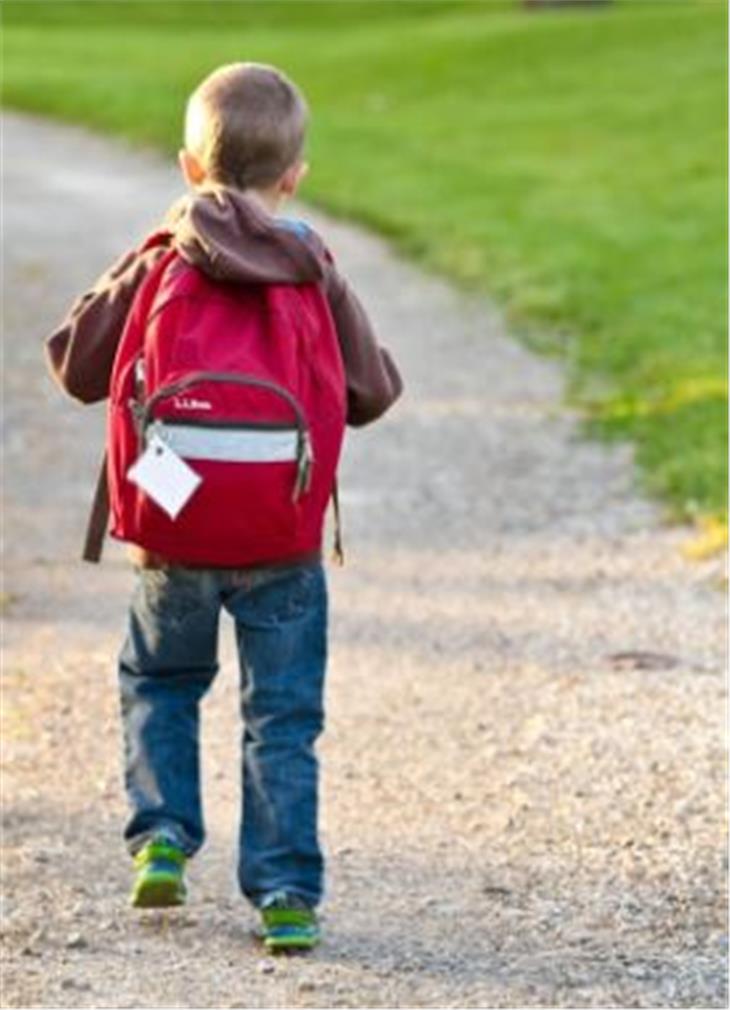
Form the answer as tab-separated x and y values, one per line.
245	384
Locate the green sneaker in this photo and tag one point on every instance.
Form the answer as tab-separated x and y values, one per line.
288	923
159	882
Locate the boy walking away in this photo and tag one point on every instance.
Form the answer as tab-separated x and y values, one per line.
232	353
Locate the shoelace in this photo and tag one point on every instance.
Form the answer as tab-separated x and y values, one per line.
283	917
161	850
285	910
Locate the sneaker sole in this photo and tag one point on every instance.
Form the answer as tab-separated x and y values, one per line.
158	892
277	944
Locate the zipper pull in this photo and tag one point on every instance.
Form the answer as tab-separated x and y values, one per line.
139	378
305	461
136	402
137	411
309	462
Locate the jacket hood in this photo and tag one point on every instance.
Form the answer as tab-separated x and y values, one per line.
230	237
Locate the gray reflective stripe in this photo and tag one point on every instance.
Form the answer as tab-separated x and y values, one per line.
229	445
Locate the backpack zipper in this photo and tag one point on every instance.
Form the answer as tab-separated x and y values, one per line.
142	413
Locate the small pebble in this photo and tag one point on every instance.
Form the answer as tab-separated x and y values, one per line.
76	942
72	983
266	967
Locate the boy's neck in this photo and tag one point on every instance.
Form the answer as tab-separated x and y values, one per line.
270	202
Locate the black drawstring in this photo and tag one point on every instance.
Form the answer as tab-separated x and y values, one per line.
338	553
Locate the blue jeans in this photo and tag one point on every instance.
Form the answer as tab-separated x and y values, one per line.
167	664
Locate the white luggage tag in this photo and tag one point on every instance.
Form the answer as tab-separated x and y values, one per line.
164	476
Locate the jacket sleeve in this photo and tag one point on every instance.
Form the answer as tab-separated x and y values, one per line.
373	380
80	352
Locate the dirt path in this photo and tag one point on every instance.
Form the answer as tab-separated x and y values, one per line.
511	818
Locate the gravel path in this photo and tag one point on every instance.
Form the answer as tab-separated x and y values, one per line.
512	817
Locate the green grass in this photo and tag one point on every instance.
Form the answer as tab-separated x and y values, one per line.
571	163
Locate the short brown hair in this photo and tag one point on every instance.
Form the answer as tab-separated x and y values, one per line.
246	123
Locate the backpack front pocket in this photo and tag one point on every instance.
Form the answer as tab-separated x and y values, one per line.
254	472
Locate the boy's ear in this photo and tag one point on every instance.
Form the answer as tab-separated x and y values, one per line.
193	172
291	179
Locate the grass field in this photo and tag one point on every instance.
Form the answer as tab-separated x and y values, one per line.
571	163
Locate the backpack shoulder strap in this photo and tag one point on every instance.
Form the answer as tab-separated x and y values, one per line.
98	518
338	550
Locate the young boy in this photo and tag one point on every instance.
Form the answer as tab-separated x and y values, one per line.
244	137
